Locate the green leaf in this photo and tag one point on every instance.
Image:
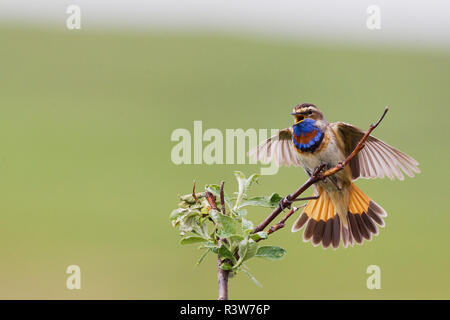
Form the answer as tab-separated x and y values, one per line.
224	235
242	213
201	229
177	213
241	179
226	266
191	239
209	245
259	235
215	215
204	210
231	236
188	198
229	224
252	249
236	237
189	221
224	253
243	245
253	179
203	256
244	183
247	249
270	252
252	278
267	202
247	226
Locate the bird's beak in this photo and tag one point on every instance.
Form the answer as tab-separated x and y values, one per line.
297	113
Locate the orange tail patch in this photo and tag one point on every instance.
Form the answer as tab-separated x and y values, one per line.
323	224
363	216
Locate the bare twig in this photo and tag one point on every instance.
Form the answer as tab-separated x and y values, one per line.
193	193
288	200
280	224
222	198
222	281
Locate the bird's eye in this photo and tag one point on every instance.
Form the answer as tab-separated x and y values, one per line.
309	111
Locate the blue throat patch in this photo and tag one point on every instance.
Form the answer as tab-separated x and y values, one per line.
307	137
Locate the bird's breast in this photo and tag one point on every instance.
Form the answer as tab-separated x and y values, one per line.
307	139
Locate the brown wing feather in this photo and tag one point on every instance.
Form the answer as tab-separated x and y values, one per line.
279	148
377	159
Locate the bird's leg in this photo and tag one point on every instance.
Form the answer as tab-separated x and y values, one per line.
287	201
306	198
319	169
325	167
333	179
336	183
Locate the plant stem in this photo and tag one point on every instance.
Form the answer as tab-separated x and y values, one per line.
222	275
222	281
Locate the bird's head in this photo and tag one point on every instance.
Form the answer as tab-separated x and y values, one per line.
306	114
306	111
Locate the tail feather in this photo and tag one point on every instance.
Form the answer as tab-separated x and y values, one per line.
336	231
346	236
323	224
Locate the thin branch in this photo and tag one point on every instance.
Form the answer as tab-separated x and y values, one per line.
282	222
285	202
193	193
222	281
222	198
315	177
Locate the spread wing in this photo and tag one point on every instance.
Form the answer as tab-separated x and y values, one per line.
377	159
279	148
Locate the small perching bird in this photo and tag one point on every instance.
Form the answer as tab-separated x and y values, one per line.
341	210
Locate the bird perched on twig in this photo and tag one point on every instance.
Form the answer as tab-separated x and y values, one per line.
340	210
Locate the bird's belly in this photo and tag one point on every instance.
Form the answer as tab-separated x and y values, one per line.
330	155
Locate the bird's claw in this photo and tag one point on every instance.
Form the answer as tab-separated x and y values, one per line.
319	169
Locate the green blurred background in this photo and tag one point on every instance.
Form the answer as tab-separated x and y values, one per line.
86	176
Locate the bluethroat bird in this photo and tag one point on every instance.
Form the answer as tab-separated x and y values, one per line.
341	210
